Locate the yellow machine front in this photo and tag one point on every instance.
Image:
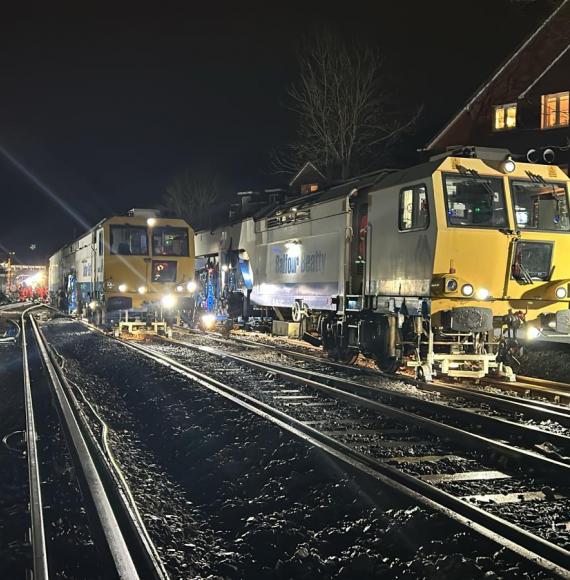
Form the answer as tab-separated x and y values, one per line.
148	265
502	260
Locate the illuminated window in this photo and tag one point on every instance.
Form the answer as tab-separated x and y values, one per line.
555	110
414	213
505	117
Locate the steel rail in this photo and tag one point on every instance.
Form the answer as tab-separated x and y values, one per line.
533	386
124	565
544	383
527	545
531	408
132	527
37	532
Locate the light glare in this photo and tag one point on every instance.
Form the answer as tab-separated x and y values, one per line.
168	301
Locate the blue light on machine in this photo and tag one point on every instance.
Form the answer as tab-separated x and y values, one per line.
246	273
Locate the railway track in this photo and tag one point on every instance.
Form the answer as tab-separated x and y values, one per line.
123	548
538	410
474	480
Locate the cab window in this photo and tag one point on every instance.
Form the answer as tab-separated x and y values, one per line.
477	202
170	242
413	212
540	206
129	241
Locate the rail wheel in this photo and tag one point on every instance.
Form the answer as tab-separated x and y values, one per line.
388	364
345	356
510	353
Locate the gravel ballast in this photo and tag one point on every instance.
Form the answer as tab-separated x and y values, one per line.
225	494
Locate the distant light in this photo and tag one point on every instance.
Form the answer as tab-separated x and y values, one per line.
224	268
122	287
294	209
532	332
179	288
191	286
151	222
467	290
93	305
141	289
168	301
561	292
482	294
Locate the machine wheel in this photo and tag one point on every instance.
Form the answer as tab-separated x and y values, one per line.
345	356
423	373
510	352
226	328
388	364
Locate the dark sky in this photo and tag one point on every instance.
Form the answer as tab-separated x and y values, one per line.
103	104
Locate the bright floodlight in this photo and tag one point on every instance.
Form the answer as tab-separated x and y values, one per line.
482	294
168	301
179	288
208	320
191	286
141	289
467	290
532	332
122	287
151	222
561	292
224	268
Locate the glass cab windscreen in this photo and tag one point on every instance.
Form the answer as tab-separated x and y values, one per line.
129	241
170	242
540	206
476	202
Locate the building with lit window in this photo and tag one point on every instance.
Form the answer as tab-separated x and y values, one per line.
524	105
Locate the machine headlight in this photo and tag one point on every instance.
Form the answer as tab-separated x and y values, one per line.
208	320
151	222
191	286
467	290
451	285
561	292
168	301
122	287
179	288
141	289
482	294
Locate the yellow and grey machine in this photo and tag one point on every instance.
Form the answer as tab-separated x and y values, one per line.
131	271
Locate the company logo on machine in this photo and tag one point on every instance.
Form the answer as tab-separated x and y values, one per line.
291	263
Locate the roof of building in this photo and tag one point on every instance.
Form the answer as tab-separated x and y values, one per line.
537	54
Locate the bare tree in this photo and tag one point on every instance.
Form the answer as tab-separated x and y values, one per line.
345	109
194	195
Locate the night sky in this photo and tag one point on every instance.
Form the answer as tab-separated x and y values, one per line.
104	103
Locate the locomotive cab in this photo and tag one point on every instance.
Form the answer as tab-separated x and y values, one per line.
475	263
